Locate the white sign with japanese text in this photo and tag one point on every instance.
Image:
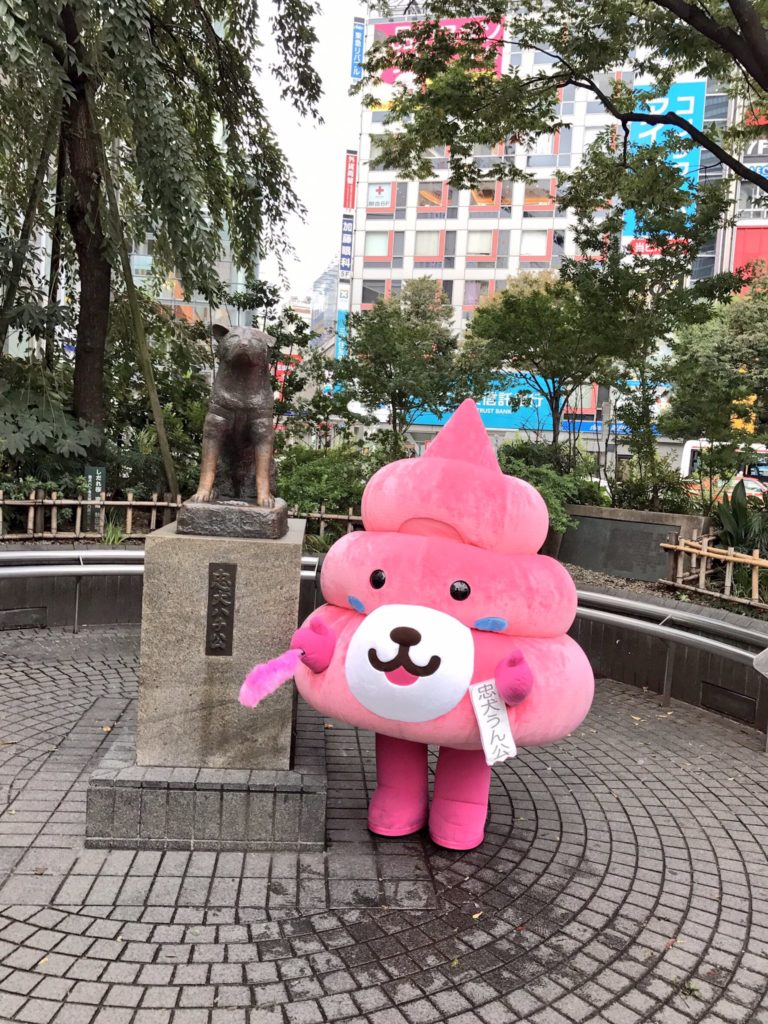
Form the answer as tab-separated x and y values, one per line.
493	722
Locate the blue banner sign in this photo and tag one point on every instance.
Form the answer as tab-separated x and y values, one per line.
340	350
358	44
687	100
505	409
345	255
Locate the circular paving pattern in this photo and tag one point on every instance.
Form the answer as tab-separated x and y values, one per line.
624	879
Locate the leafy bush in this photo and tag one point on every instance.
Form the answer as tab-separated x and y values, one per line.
334	477
556	490
566	460
742	521
664	491
38	437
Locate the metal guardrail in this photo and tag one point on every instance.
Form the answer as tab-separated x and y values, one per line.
674	628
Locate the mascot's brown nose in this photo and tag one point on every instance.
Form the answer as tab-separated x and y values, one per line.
405	636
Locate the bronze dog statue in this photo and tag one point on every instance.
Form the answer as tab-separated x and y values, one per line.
239	425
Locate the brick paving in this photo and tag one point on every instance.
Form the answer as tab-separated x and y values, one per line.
624	879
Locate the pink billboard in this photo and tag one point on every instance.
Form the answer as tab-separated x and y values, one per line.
494	36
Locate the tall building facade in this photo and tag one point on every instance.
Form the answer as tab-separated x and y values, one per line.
472	241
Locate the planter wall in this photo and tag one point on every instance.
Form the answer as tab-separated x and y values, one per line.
624	542
706	680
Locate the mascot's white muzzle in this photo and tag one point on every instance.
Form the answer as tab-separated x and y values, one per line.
410	663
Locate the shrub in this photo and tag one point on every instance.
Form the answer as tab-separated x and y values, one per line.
556	490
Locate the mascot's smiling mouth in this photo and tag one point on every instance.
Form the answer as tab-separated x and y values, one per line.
401	670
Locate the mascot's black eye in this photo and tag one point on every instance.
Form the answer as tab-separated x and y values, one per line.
460	590
378	579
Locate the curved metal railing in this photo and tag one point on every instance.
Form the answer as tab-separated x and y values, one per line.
740	644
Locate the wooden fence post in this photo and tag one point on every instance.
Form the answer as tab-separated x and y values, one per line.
54	513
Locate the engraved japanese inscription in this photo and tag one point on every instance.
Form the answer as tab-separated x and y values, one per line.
220	621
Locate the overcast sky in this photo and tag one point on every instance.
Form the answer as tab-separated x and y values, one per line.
316	152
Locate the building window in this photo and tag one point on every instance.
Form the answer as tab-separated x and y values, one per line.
375	156
398	248
604	83
447	287
373	291
380	195
401	199
567	102
752	201
453	202
427	244
483	194
704	264
430	193
591	135
474	291
534	243
539	193
377	243
479	243
395	287
507	191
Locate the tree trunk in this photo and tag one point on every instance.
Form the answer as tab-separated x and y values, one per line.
58	214
95	271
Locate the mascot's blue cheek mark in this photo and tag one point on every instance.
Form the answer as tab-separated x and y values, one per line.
492	624
356	603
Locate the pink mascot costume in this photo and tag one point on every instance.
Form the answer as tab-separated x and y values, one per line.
444	626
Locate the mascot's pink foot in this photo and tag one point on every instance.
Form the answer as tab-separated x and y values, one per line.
399	805
460	801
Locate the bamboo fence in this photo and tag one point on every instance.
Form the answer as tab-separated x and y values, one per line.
91	519
698	565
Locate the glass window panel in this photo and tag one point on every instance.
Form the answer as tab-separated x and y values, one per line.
373	291
538	193
398	247
507	191
484	195
430	193
474	291
479	243
448	289
427	243
379	194
402	193
450	243
534	243
377	243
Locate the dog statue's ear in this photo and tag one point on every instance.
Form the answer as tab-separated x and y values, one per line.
219	331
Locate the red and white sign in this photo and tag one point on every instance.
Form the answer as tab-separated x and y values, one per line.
493	31
379	195
350	179
643	247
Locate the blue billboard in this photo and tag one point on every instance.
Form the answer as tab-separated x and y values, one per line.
512	408
358	45
687	100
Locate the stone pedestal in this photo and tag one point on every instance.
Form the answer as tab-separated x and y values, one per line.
214	607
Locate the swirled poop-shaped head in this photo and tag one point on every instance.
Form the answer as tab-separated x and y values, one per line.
457	491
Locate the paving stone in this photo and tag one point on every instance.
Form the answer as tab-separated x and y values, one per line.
618	865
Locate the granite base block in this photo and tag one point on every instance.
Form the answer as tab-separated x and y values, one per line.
215	809
233	519
213	608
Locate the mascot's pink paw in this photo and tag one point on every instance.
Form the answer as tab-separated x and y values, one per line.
317	643
399	805
514	679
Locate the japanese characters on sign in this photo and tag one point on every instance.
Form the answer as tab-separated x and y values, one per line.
493	722
350	179
687	100
345	254
358	46
492	30
379	194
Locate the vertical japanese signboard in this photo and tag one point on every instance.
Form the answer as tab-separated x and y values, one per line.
358	44
350	179
687	100
96	476
345	253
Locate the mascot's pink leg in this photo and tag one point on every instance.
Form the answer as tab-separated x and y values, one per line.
460	800
399	805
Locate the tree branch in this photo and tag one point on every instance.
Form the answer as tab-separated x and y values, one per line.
752	29
721	35
674	120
